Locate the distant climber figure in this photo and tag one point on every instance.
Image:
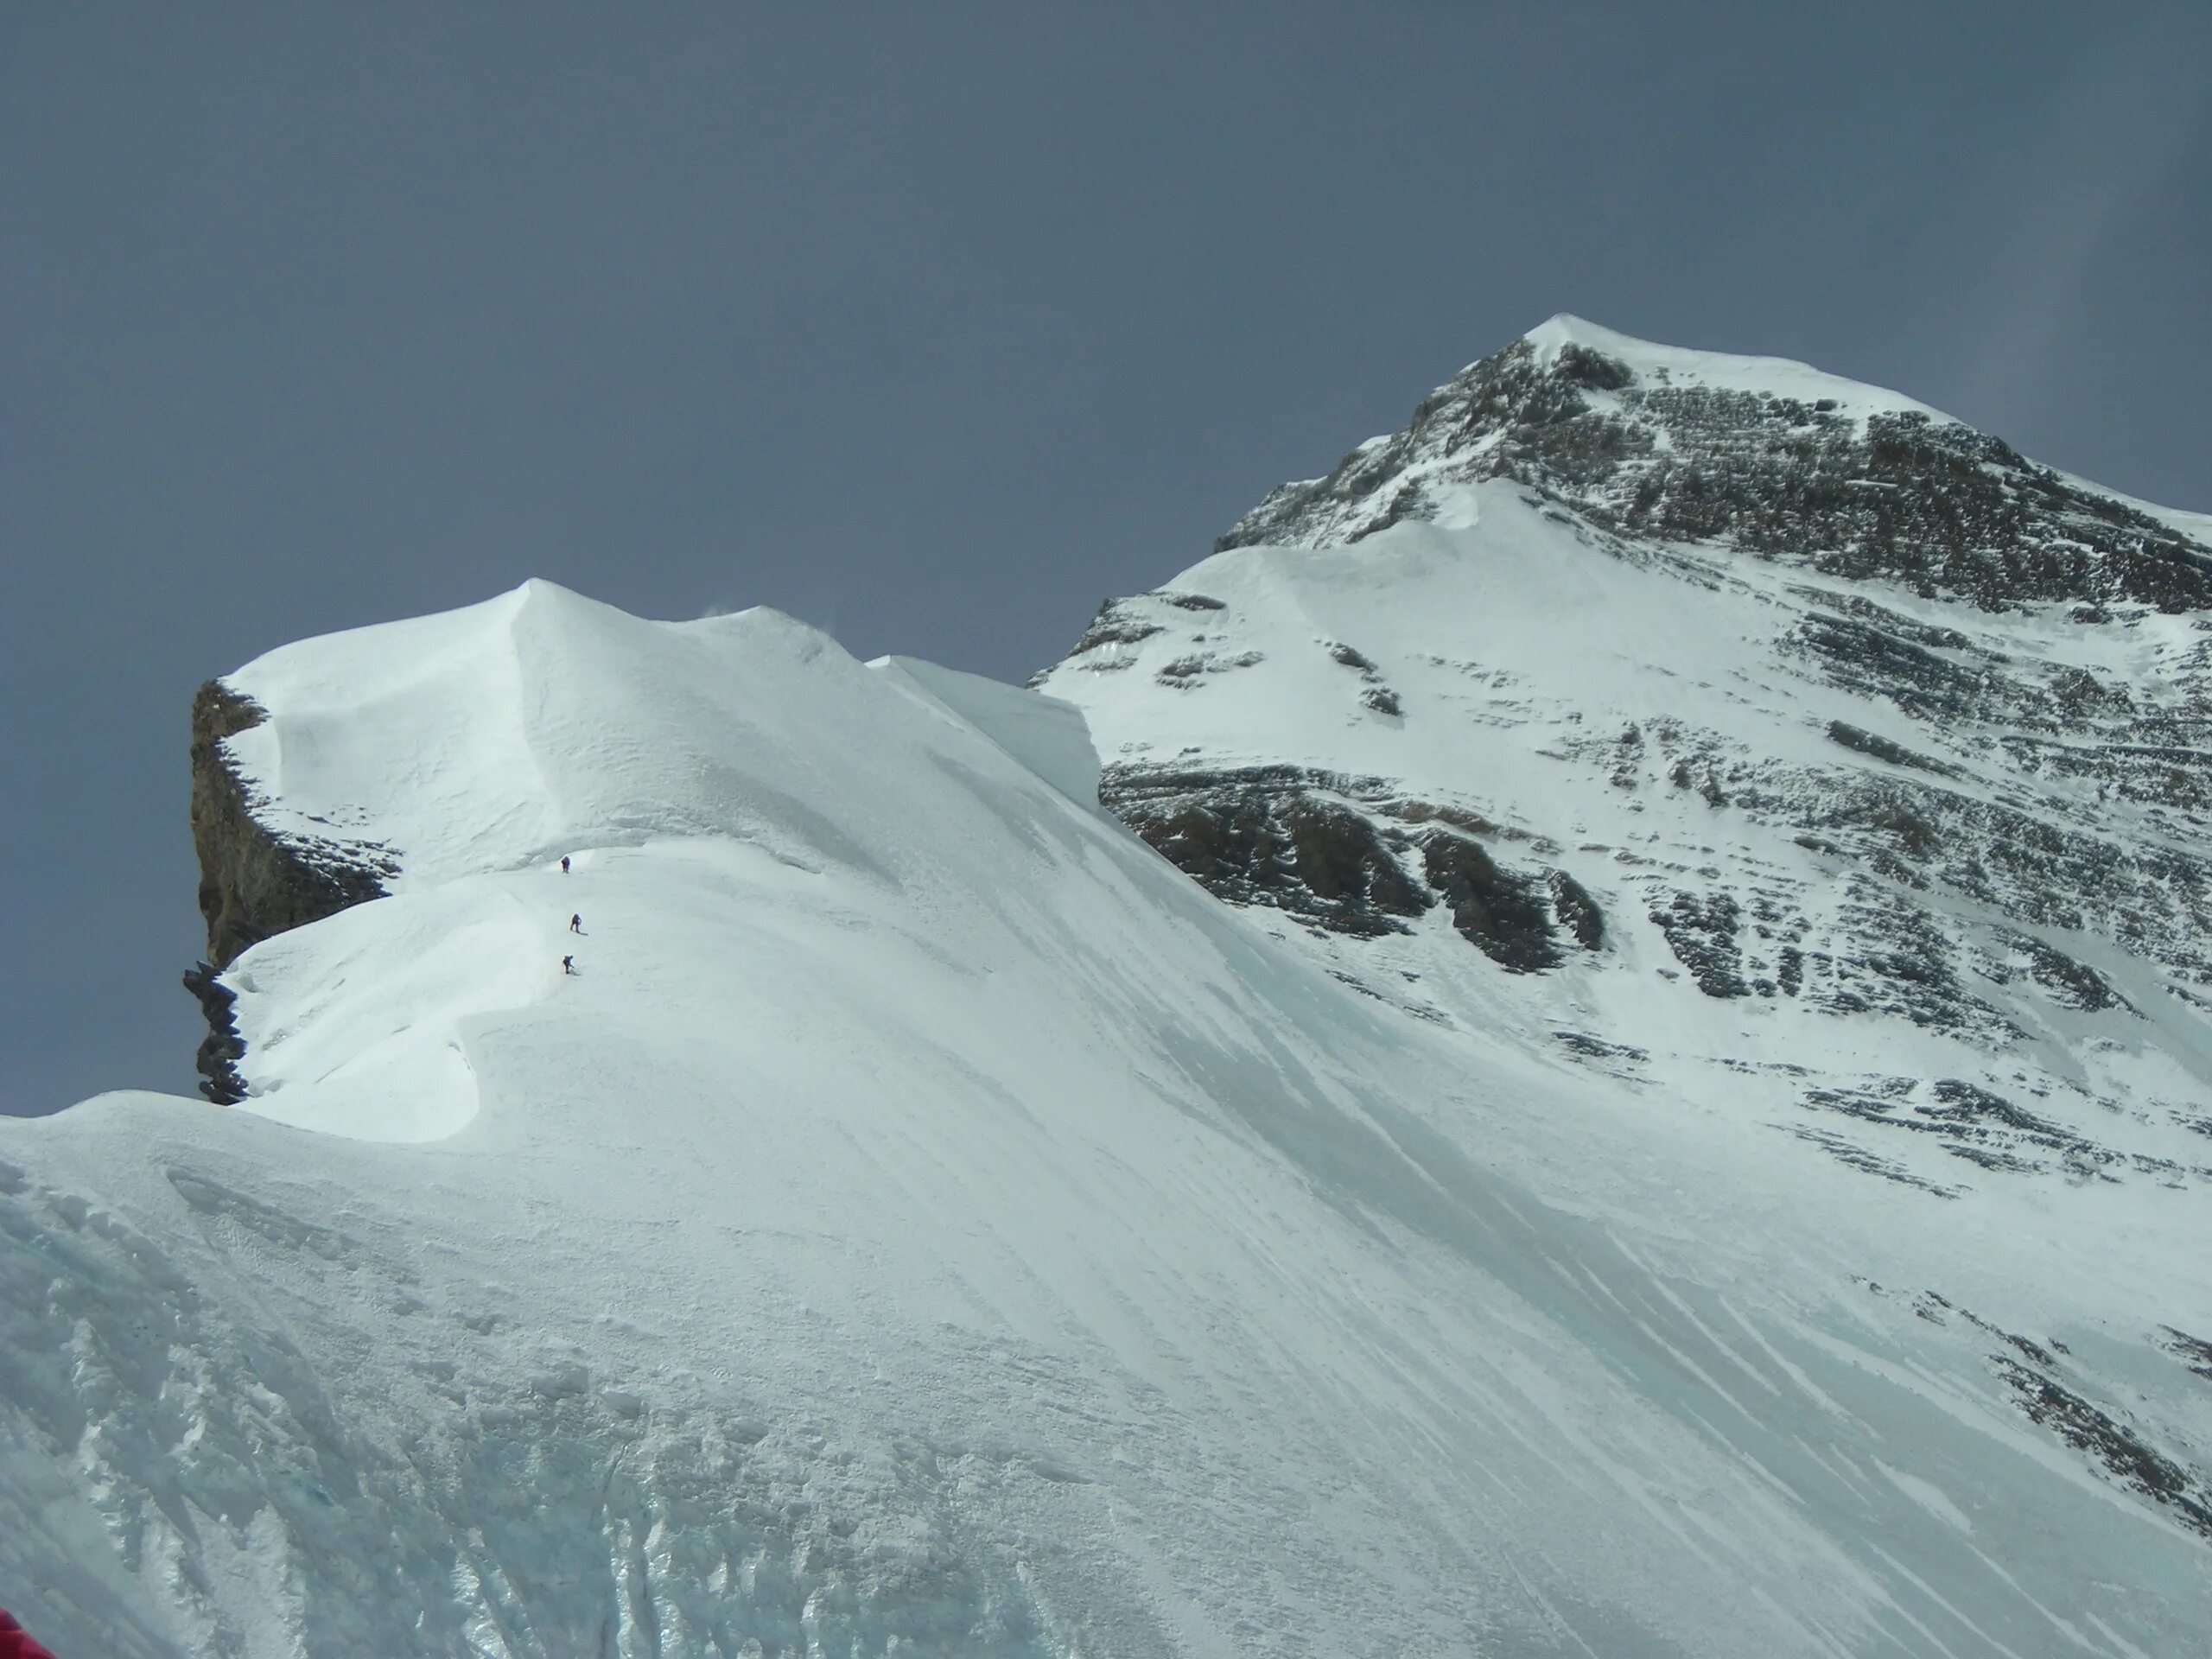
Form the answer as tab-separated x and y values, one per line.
564	863
576	923
16	1643
567	964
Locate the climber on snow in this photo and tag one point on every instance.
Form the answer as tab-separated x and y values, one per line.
576	923
567	964
564	863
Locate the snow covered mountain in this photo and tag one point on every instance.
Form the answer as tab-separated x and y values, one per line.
929	1222
1767	736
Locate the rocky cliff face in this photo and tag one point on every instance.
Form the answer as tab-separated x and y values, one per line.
1894	493
254	883
1680	682
1354	856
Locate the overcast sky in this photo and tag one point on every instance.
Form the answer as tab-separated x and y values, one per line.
932	325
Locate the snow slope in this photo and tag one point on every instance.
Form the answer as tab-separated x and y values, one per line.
930	1223
1545	685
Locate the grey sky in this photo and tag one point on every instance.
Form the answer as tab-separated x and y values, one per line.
932	325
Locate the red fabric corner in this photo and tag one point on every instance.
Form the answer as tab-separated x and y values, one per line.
16	1642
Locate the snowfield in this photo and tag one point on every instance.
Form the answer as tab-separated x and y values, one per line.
929	1223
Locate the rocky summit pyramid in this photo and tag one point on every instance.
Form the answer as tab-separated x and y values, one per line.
1727	728
1688	1135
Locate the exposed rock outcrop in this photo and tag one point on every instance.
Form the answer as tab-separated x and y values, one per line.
1503	913
1894	493
223	1048
254	883
1335	852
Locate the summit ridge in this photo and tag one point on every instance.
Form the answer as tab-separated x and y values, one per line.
1760	455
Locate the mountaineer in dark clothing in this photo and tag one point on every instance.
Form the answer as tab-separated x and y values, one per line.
567	964
564	863
576	923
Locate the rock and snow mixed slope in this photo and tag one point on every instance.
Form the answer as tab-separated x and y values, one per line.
932	1223
1767	736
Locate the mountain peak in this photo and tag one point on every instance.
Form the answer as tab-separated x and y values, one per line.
1564	328
1652	363
1757	455
1843	711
